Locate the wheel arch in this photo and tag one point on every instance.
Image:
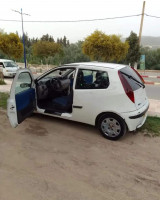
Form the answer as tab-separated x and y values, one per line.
107	113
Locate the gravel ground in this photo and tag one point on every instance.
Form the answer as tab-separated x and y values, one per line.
46	158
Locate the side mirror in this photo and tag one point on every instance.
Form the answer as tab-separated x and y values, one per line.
24	85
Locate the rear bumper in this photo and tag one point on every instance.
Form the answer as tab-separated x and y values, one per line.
136	118
139	115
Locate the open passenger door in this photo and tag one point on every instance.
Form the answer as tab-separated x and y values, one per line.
21	102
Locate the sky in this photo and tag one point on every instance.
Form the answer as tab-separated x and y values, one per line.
61	10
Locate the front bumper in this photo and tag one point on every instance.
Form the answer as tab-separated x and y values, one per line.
136	118
10	74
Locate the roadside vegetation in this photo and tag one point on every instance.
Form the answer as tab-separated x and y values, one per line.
97	46
152	61
101	47
11	45
2	82
3	100
151	126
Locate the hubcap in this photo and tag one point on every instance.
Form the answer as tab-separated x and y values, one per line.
111	127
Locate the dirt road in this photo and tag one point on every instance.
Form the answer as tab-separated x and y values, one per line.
53	159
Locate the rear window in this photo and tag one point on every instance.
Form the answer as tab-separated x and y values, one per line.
130	72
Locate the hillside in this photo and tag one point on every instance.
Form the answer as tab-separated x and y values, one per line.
153	42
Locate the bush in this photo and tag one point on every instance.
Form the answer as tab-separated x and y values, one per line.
2	82
3	100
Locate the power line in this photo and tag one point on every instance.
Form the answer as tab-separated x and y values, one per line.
151	16
10	20
72	21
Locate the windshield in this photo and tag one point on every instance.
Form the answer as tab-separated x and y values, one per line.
10	64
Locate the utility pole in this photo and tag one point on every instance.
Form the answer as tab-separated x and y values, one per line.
141	26
24	49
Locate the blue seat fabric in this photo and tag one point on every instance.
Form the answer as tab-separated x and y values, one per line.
64	102
88	78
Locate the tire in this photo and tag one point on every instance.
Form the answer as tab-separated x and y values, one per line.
111	126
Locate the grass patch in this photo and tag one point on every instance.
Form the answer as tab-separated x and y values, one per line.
2	82
151	126
3	100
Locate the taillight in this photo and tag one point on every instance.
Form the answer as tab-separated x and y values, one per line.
138	75
127	88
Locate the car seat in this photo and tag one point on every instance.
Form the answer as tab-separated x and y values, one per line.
101	81
80	80
98	78
88	79
63	103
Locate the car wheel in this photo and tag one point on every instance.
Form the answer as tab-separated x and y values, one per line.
112	126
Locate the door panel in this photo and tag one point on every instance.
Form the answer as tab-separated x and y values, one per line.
25	104
22	97
90	94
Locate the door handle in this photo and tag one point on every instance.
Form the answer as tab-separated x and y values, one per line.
12	107
80	107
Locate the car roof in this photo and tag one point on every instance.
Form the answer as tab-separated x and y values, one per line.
97	64
5	60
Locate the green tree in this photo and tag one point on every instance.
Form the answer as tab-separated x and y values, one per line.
63	41
11	45
102	47
47	38
73	53
68	43
152	60
45	49
133	54
27	40
34	40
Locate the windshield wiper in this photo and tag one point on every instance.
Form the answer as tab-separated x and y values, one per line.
131	77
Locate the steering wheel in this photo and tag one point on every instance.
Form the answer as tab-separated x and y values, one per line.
55	83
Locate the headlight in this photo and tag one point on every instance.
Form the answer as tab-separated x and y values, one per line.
10	71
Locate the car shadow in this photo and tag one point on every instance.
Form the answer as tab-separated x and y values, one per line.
78	127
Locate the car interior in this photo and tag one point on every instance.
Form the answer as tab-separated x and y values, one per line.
55	90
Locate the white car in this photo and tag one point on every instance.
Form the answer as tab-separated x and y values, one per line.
8	67
109	96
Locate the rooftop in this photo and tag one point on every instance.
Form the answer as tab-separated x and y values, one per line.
5	60
98	64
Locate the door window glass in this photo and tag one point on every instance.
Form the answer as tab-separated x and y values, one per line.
92	79
23	83
62	72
